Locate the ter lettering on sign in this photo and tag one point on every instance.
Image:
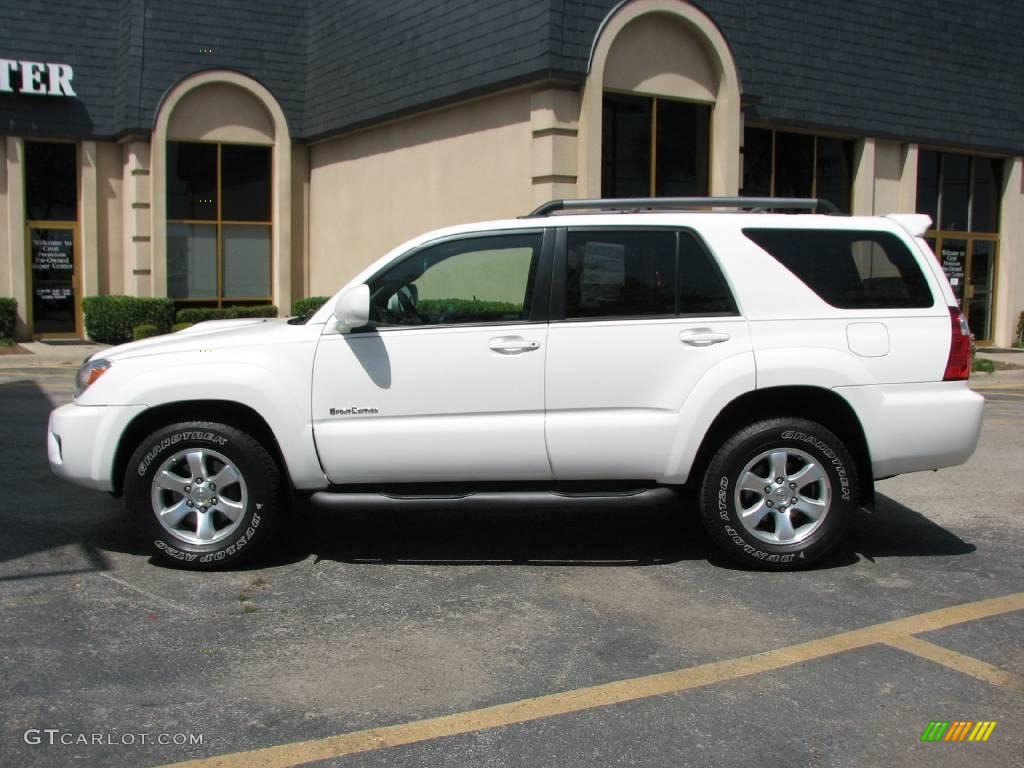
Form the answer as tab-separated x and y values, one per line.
36	78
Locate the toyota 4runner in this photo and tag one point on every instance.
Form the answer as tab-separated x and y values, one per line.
773	363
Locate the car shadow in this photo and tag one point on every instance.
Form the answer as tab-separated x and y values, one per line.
890	530
895	530
658	535
41	513
654	535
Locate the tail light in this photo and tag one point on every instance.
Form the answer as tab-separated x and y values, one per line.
958	365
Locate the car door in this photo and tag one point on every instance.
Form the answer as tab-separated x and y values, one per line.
446	382
639	316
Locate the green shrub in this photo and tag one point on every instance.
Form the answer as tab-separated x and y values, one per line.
180	327
260	310
437	310
307	306
5	342
195	315
983	365
144	331
111	319
8	318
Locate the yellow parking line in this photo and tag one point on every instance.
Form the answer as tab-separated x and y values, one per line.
960	662
566	702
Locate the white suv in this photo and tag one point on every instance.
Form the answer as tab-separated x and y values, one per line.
593	352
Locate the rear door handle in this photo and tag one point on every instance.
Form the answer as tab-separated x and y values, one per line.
702	337
513	345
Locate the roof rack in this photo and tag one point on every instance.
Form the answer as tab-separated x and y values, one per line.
676	203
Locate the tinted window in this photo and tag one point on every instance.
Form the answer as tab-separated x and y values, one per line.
834	172
245	183
191	181
702	289
682	142
757	162
985	202
956	187
51	174
620	274
849	269
794	164
630	273
474	280
191	260
626	146
928	185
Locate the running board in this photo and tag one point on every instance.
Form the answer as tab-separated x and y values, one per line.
484	500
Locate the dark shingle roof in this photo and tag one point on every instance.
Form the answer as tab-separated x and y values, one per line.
922	70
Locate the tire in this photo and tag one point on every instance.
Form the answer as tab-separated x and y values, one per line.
753	518
219	522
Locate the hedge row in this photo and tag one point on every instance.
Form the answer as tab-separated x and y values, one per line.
144	331
110	319
201	314
437	310
8	318
303	307
113	319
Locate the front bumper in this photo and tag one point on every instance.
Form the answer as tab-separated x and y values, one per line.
81	441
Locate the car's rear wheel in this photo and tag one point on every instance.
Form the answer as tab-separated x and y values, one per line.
779	493
205	494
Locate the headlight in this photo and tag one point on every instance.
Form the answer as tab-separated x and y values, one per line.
88	373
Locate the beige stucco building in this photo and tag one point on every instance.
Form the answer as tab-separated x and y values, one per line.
227	190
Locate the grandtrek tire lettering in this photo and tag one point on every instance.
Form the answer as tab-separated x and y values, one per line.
174	440
782	525
223	525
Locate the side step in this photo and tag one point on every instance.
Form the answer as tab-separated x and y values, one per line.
489	499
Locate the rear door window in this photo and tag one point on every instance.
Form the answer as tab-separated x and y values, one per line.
849	269
625	273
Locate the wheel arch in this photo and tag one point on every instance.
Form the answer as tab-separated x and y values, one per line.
227	412
817	404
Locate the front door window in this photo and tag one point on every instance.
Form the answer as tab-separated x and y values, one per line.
469	280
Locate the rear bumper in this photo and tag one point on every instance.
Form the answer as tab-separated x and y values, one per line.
915	427
81	441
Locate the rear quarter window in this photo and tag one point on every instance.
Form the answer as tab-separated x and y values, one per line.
849	269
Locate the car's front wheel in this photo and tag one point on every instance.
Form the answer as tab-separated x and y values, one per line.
205	494
780	493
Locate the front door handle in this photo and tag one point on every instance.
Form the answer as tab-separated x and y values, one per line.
513	345
702	337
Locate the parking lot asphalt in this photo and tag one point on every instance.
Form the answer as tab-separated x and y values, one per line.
515	638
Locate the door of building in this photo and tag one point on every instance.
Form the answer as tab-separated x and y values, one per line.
52	244
53	264
969	261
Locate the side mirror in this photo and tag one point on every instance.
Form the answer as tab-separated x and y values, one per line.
352	309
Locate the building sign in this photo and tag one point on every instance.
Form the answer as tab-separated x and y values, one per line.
34	77
52	250
954	263
52	255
